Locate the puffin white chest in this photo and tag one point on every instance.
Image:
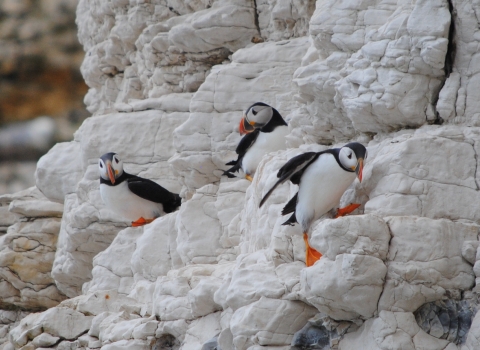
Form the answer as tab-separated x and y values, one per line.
266	142
124	202
321	188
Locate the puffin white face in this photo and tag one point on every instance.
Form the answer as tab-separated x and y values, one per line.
352	156
110	167
256	116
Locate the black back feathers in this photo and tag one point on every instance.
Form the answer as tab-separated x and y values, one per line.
149	190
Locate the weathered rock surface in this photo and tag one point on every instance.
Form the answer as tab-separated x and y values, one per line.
27	250
392	330
168	81
421	274
8	320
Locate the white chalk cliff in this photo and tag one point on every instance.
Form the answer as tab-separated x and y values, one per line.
168	82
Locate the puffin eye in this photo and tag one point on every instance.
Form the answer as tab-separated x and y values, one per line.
349	156
254	112
101	165
116	160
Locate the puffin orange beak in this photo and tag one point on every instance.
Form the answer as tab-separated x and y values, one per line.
111	173
245	127
359	169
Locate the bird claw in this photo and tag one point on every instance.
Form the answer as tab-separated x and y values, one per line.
248	177
347	210
311	255
141	222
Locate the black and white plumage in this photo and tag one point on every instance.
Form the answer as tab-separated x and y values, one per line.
322	177
265	131
137	199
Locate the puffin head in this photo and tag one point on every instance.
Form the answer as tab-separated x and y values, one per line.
255	117
352	156
110	167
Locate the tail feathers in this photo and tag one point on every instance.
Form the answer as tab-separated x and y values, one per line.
290	206
291	221
233	169
173	204
178	200
230	175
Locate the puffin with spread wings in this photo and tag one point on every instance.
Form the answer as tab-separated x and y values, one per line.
322	178
137	199
265	131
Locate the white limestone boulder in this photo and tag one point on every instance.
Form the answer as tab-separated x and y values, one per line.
423	272
209	29
27	250
380	81
201	297
268	322
102	301
155	249
356	234
145	330
36	208
255	276
25	264
393	330
8	321
201	330
252	278
112	267
345	288
59	322
198	241
44	340
81	237
59	171
469	251
411	173
188	292
284	19
155	129
229	205
127	345
120	326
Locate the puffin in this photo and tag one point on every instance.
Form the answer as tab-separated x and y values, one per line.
265	131
137	199
322	178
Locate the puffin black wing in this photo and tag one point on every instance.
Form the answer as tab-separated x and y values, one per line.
245	143
149	190
290	208
293	171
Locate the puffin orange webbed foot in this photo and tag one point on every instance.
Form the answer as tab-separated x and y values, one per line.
311	255
347	210
141	222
